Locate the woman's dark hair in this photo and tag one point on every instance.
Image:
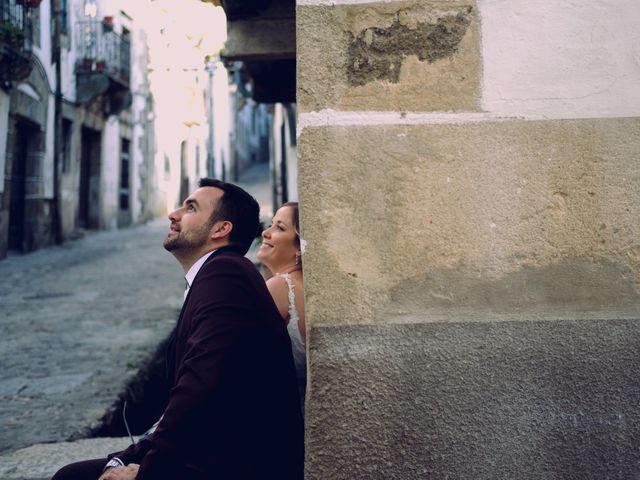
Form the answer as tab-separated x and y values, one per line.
238	207
296	218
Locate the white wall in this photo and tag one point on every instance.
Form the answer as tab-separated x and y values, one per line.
280	119
43	53
561	58
137	158
69	56
5	102
140	92
110	172
292	162
222	119
48	160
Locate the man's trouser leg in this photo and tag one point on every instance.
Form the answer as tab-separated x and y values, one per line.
85	470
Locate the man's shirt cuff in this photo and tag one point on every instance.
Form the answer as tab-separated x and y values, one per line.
114	462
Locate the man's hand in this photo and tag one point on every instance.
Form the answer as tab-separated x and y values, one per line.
121	473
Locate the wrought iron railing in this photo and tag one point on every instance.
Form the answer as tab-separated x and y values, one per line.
16	26
16	32
100	49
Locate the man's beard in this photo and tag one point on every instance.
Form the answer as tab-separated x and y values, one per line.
188	240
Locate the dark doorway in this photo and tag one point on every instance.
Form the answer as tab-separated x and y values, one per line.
124	197
283	164
19	186
25	181
89	199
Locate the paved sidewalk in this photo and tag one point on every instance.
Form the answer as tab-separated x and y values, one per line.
40	462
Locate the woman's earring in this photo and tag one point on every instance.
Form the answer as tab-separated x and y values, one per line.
297	259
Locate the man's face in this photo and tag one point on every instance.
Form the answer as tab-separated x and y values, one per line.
191	223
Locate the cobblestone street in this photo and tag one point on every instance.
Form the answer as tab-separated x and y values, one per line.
77	322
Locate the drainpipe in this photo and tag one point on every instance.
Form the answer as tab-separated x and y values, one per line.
211	157
57	135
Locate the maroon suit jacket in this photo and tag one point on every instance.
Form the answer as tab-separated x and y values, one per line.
233	411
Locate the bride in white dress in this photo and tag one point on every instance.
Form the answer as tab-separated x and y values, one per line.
281	254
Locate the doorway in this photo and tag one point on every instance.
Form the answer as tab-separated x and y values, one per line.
89	195
23	170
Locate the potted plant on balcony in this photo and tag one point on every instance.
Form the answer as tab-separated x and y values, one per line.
11	34
107	23
101	65
29	3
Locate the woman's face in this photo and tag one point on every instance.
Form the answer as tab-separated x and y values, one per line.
279	247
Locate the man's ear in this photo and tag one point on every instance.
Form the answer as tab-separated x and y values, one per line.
221	229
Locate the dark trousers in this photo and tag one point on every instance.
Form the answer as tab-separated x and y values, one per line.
85	470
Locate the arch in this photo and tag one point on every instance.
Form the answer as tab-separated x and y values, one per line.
23	102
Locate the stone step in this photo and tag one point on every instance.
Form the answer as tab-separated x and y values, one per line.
41	461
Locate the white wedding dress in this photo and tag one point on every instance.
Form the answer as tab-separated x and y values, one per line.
297	342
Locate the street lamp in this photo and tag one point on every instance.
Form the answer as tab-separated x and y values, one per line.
210	66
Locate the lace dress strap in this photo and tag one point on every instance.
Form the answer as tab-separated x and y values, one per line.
293	327
298	348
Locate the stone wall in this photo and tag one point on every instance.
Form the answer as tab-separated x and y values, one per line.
470	197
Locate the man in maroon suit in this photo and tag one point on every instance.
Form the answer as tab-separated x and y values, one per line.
233	411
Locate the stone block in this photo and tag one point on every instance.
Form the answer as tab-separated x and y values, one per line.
483	401
507	217
407	56
41	461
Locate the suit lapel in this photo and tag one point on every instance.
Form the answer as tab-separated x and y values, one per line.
171	345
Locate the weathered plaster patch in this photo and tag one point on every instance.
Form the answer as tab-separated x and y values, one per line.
377	53
569	287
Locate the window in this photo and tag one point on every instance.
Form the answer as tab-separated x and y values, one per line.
124	175
35	25
64	17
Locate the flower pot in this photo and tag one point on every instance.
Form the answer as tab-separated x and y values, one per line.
101	65
87	63
11	34
32	3
107	23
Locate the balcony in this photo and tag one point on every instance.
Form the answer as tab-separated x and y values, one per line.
103	65
15	41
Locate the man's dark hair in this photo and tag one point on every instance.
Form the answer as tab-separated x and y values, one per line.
238	207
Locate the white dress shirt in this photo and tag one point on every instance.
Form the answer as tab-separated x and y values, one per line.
193	271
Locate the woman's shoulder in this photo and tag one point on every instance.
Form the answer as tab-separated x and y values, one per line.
278	282
279	290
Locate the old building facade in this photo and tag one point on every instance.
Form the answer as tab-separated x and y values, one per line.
77	142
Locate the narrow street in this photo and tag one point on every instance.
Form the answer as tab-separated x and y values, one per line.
79	320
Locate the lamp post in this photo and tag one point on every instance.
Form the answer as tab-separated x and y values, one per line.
57	129
210	66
